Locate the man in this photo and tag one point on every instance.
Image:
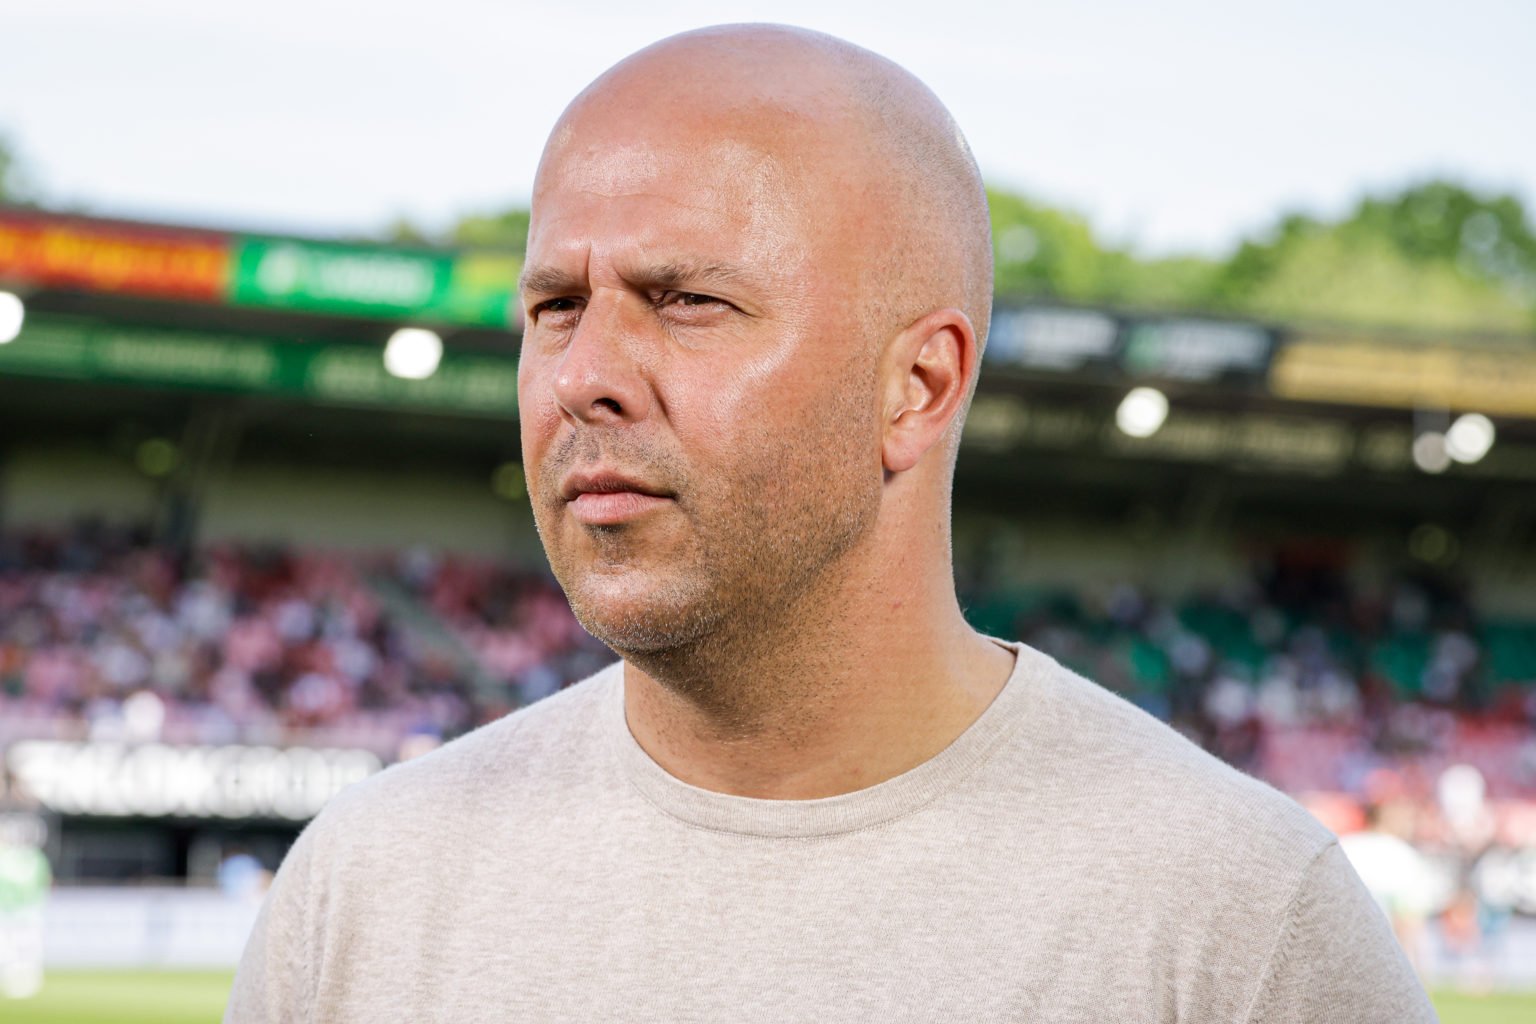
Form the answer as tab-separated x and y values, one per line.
758	281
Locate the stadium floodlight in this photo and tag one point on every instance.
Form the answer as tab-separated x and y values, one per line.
1469	438
509	482
157	457
413	353
12	313
1142	412
1429	452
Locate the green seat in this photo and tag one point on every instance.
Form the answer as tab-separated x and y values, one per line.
1402	658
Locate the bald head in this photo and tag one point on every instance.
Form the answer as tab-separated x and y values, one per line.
885	184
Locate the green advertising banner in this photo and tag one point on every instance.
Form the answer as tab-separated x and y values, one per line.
325	277
465	384
476	288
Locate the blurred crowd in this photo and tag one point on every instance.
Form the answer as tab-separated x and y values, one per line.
104	635
1300	674
1297	673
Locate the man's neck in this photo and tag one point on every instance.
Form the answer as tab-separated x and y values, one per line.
838	703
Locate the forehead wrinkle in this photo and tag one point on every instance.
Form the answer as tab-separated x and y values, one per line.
747	239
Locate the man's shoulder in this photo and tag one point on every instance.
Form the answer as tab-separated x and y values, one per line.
492	768
1113	770
1230	895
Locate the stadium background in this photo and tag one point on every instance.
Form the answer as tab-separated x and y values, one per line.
263	531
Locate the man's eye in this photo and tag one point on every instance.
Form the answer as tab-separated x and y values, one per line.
689	299
556	306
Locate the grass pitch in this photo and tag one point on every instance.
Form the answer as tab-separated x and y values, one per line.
182	997
1494	1008
123	997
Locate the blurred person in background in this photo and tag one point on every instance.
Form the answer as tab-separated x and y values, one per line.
24	881
1469	925
758	283
1399	878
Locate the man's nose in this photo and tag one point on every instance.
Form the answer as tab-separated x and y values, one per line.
600	377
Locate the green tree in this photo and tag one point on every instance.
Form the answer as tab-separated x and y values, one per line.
1043	252
403	231
1433	256
1173	282
1039	251
505	230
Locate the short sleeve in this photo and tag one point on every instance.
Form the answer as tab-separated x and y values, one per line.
1335	957
274	982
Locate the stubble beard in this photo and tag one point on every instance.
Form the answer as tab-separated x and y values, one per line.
763	551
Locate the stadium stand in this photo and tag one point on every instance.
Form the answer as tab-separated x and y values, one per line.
1297	676
1303	678
107	636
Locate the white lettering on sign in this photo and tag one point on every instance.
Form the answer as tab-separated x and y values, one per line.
387	280
1196	349
1052	339
156	780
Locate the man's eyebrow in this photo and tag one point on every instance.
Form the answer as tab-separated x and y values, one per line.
684	274
545	280
550	281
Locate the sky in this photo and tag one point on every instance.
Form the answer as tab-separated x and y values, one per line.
1177	126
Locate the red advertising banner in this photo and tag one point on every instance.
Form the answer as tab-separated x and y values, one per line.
66	253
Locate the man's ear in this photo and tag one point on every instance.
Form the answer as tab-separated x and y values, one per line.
927	375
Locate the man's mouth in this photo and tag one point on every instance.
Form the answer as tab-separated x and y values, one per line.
609	498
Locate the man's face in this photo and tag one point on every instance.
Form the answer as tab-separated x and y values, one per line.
698	406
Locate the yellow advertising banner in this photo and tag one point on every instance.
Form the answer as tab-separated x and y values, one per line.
1500	382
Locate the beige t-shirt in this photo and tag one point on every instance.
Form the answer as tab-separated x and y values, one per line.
1067	858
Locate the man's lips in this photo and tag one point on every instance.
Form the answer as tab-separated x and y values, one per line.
613	507
606	498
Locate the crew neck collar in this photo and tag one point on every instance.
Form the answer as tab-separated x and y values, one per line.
825	816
